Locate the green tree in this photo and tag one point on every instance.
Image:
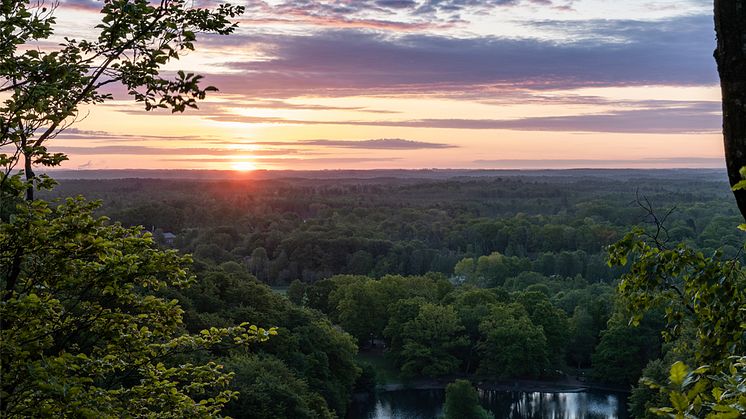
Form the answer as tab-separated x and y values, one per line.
297	292
701	394
491	270
472	305
83	333
462	402
643	398
259	264
400	313
624	350
582	338
366	382
431	341
314	350
45	89
512	345
701	295
270	390
553	322
465	269
361	310
361	263
707	293
317	296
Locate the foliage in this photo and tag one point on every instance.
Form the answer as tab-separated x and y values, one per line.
513	345
643	397
362	305
83	333
400	313
296	292
269	390
552	320
472	305
44	90
555	230
706	293
361	309
582	339
430	341
462	402
366	382
431	328
624	350
561	225
703	296
698	393
491	270
309	348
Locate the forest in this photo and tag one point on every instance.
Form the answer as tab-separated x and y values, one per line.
296	293
489	277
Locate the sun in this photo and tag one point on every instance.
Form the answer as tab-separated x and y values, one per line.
243	166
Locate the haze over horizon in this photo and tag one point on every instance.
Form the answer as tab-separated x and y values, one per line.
382	84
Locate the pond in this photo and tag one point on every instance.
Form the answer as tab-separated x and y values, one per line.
427	404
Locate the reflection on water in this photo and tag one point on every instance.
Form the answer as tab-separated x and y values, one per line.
427	404
591	405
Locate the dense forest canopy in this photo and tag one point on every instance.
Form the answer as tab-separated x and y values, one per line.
443	272
286	229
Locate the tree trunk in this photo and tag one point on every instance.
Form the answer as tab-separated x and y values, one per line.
730	28
29	170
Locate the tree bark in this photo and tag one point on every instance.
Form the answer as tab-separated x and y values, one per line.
730	28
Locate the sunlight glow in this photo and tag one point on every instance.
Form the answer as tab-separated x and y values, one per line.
243	166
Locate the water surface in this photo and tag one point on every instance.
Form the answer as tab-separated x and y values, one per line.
428	404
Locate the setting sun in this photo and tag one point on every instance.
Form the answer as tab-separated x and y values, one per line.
243	166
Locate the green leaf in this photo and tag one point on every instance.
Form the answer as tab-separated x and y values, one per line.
679	401
678	373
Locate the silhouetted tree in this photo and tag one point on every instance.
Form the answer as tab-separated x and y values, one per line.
730	27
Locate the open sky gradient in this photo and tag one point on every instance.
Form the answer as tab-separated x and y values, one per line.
340	84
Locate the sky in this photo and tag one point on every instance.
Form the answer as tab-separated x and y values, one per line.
376	84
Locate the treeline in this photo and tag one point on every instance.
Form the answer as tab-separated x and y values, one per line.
310	229
532	326
489	277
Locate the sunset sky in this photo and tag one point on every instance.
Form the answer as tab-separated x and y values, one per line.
428	84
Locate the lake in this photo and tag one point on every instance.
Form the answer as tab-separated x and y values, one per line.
427	404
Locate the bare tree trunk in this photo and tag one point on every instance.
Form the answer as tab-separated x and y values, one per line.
730	27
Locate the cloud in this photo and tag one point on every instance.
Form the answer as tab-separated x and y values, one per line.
82	5
349	62
686	117
144	150
83	132
294	162
379	144
217	108
691	162
360	14
87	165
397	15
109	137
657	121
341	22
